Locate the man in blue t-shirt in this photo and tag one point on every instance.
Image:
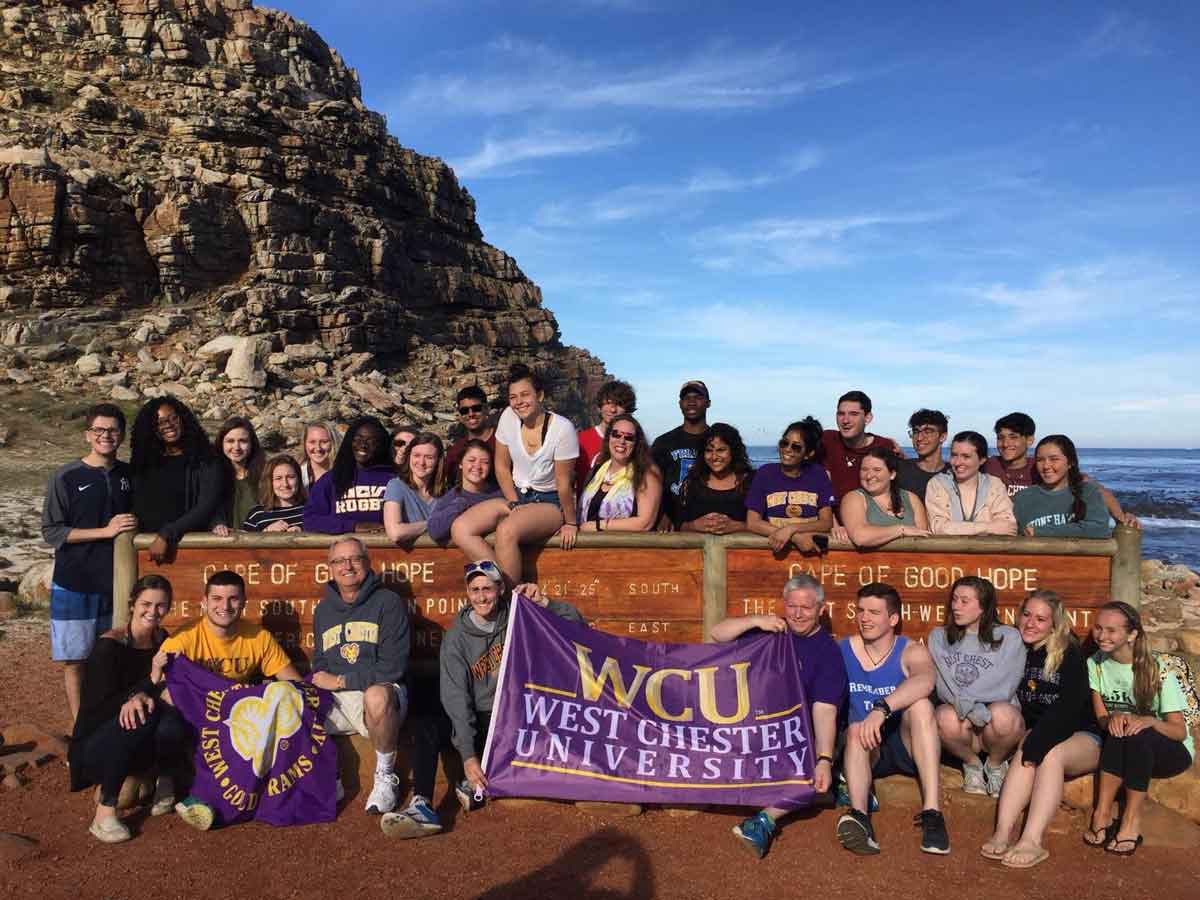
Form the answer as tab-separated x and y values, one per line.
824	676
892	728
87	504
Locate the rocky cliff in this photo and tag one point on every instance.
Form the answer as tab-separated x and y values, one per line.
194	198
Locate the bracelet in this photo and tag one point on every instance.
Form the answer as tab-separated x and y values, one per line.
825	757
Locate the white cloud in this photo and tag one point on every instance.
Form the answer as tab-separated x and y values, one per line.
1124	287
499	156
778	245
534	76
1119	34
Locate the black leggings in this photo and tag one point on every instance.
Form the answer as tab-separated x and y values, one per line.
429	735
1138	758
111	752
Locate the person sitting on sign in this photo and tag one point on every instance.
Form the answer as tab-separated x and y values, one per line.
470	666
979	664
411	494
824	676
712	497
892	728
1062	739
349	497
965	500
475	484
624	489
121	728
223	643
880	510
361	637
792	500
281	498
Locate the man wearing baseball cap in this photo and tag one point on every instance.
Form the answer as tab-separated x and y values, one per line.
675	451
470	666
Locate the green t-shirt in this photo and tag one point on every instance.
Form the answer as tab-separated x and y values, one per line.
1113	681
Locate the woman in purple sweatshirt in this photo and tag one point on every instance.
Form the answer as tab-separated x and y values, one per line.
349	497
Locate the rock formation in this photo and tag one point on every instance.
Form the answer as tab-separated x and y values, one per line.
194	198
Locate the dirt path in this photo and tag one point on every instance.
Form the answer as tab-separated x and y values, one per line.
513	851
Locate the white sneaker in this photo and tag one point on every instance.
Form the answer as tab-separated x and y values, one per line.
973	780
109	830
383	795
994	776
164	796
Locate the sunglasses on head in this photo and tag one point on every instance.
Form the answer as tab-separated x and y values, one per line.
794	446
470	410
482	567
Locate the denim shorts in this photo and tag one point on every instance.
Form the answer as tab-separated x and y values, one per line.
529	495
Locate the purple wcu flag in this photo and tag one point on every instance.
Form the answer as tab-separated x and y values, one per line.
583	715
261	750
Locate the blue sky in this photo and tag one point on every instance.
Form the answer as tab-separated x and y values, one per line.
979	208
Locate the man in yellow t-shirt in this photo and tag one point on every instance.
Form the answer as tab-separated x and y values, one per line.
225	645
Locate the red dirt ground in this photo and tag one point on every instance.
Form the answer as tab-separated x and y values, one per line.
513	851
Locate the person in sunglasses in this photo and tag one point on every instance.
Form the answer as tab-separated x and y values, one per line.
623	488
401	439
791	500
473	415
470	667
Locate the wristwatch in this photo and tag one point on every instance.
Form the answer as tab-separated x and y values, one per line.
882	706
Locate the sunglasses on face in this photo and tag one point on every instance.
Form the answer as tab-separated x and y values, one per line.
470	410
627	436
794	446
399	445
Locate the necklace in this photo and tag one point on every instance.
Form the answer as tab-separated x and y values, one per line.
875	662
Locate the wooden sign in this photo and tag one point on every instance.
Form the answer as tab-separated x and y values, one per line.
754	580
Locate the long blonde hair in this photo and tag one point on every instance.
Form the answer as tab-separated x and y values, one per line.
1145	666
1060	637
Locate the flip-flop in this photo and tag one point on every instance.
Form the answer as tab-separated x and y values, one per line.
1115	844
993	850
1104	834
1025	857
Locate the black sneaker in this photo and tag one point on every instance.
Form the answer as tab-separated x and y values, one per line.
856	834
934	838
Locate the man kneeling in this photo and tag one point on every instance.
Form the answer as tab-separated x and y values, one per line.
892	727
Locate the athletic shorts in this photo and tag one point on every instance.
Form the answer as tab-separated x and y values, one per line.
346	715
894	758
529	495
76	620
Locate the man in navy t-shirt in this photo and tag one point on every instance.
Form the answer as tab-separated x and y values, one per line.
824	676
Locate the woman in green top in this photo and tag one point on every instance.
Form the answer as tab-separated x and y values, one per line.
1060	503
244	459
1141	712
880	510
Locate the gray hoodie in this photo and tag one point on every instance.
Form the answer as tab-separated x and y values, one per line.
970	675
470	664
365	641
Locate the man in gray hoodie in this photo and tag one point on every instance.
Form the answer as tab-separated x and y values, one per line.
361	640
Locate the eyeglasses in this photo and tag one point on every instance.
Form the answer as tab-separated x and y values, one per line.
172	419
924	431
794	446
470	410
343	562
627	436
399	445
482	567
104	432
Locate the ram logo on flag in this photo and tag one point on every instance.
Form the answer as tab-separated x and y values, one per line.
583	715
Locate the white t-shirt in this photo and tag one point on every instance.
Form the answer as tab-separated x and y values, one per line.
537	471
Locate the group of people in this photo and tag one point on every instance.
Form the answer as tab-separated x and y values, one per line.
522	478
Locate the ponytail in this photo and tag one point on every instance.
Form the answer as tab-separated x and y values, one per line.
1145	666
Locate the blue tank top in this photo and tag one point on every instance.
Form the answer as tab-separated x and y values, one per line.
868	686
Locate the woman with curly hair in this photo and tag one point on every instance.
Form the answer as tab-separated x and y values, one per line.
713	494
1061	738
243	456
624	489
178	481
1140	708
791	500
1060	503
349	497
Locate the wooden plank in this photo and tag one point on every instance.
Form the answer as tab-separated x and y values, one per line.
755	579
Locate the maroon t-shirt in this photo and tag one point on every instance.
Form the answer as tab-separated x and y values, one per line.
455	454
1016	480
843	462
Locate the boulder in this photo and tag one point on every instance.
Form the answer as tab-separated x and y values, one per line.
245	365
90	364
218	349
34	589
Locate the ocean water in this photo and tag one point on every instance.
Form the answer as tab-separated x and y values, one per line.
1161	487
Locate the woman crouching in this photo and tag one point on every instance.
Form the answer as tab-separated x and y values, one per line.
122	728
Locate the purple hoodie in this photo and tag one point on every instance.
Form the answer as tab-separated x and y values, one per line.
363	502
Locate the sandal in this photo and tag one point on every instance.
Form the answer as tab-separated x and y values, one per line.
1100	837
1025	857
994	850
1114	846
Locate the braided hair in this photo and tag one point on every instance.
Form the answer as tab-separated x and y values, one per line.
1074	476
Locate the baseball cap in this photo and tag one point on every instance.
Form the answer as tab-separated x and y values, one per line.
482	567
698	387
